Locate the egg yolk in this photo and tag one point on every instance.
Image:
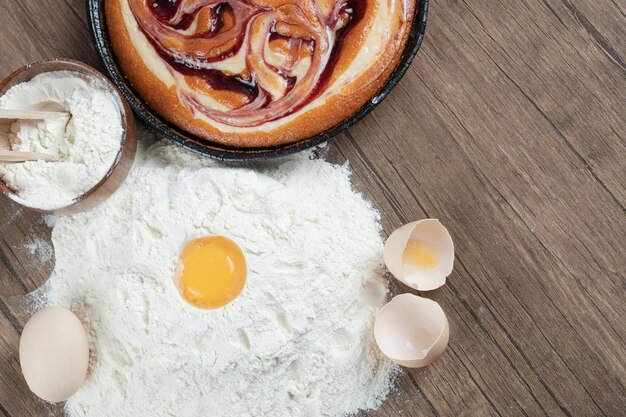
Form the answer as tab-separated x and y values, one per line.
421	254
211	272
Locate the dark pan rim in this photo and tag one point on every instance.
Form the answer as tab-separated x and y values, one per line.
99	32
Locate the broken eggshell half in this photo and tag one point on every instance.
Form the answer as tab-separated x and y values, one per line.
412	331
420	254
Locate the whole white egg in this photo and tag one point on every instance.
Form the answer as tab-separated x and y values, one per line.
54	354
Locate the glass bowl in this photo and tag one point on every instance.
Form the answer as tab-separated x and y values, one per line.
123	162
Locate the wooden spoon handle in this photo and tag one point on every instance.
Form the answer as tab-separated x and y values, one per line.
5	143
30	114
18	156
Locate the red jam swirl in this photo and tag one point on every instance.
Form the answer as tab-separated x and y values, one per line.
271	91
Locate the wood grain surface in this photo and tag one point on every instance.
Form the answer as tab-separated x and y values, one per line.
510	127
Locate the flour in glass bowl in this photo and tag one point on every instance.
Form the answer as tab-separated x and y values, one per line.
85	144
298	341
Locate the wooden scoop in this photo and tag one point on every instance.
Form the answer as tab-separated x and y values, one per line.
7	116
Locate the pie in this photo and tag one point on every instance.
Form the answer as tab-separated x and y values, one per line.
258	73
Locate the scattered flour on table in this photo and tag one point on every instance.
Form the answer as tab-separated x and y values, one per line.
85	144
39	249
41	253
297	342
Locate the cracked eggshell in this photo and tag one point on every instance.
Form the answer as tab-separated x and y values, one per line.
412	331
433	233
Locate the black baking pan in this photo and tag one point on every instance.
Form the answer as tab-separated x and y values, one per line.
99	31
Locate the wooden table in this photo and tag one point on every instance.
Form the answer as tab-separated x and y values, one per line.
510	127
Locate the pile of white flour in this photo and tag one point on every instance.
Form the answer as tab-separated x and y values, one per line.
84	144
297	342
